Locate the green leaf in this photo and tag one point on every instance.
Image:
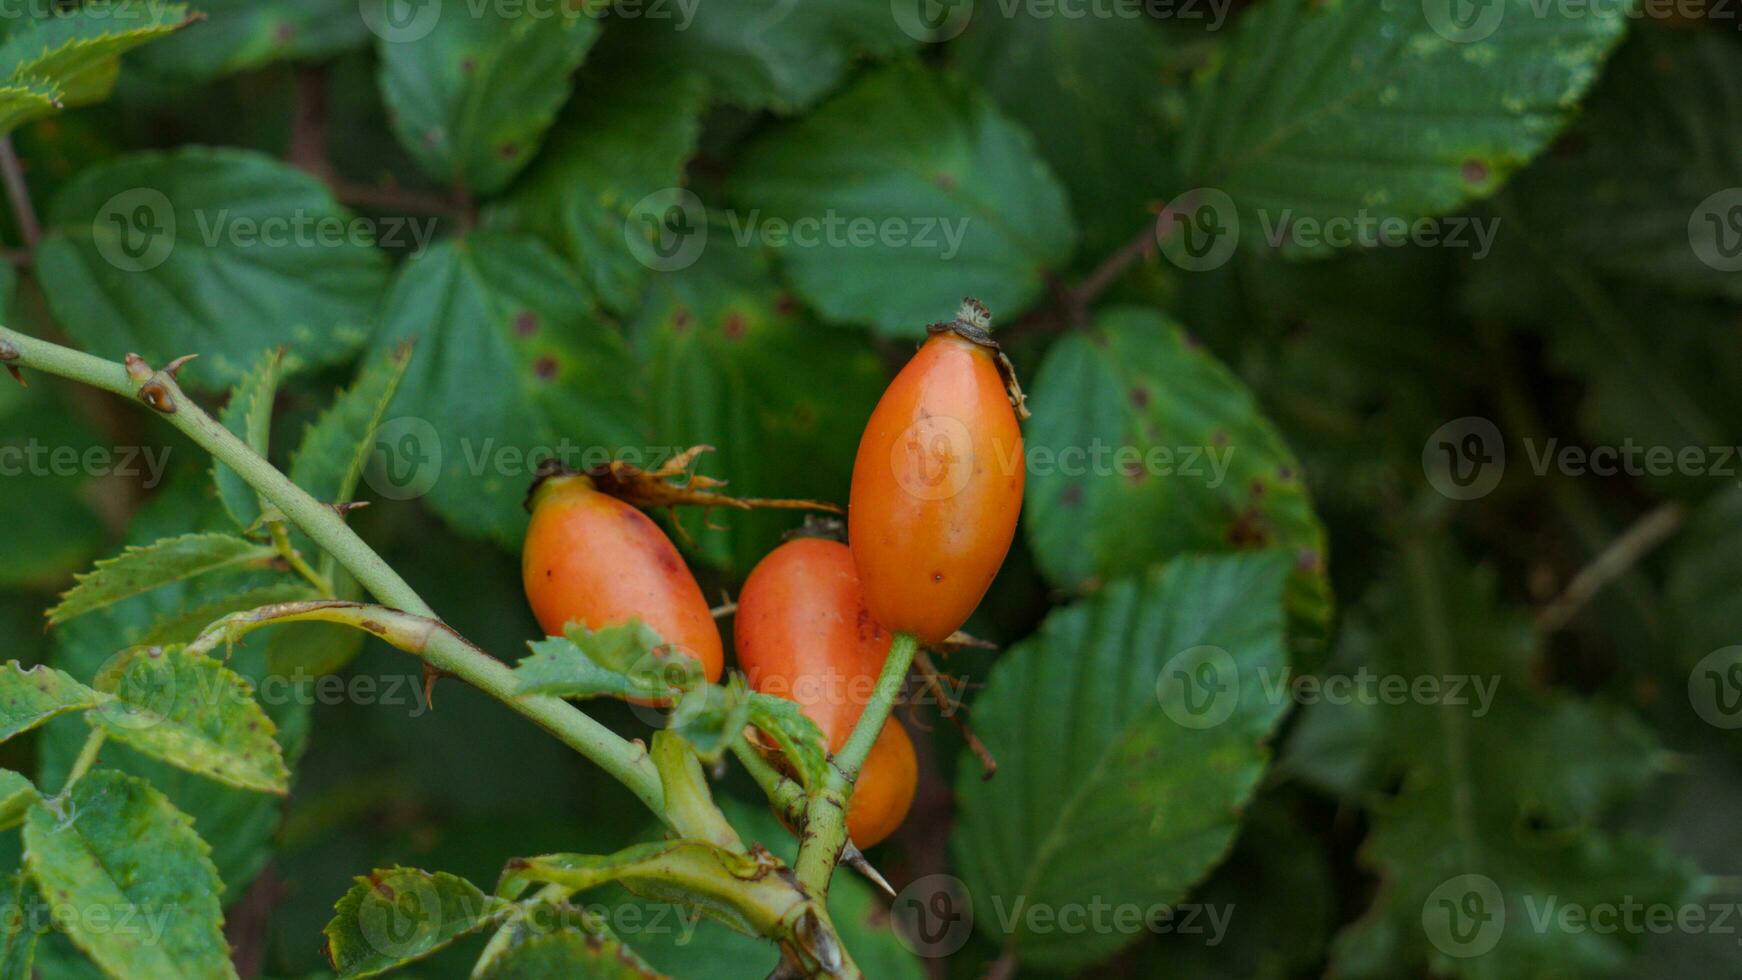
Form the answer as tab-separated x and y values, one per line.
1158	703
398	915
731	363
949	198
771	54
712	716
29	697
1092	90
193	713
1641	189
628	660
510	360
238	824
237	35
798	738
18	945
1351	110
20	102
1136	426
337	446
625	140
1502	794
472	95
120	852
141	569
17	793
219	252
248	414
569	954
75	51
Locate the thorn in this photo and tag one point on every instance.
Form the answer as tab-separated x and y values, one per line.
174	367
17	375
430	675
137	369
348	506
963	641
855	859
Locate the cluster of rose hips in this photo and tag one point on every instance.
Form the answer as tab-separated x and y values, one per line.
936	493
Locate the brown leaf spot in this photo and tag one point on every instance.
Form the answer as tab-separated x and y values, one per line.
735	326
1475	172
1140	397
545	367
525	323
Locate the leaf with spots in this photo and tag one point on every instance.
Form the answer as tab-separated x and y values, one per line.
627	139
901	195
1137	427
509	361
194	713
238	35
471	95
117	850
218	252
1352	110
395	916
1157	692
141	569
733	362
18	941
29	697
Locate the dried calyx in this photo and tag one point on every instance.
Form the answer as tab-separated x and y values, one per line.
973	323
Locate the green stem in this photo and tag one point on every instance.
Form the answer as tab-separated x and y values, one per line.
786	795
445	649
87	758
825	830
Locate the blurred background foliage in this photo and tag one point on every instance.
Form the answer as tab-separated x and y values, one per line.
528	145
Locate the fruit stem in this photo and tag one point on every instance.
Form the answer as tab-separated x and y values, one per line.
825	830
324	525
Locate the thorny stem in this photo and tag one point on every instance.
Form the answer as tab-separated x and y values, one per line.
12	172
443	648
825	829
